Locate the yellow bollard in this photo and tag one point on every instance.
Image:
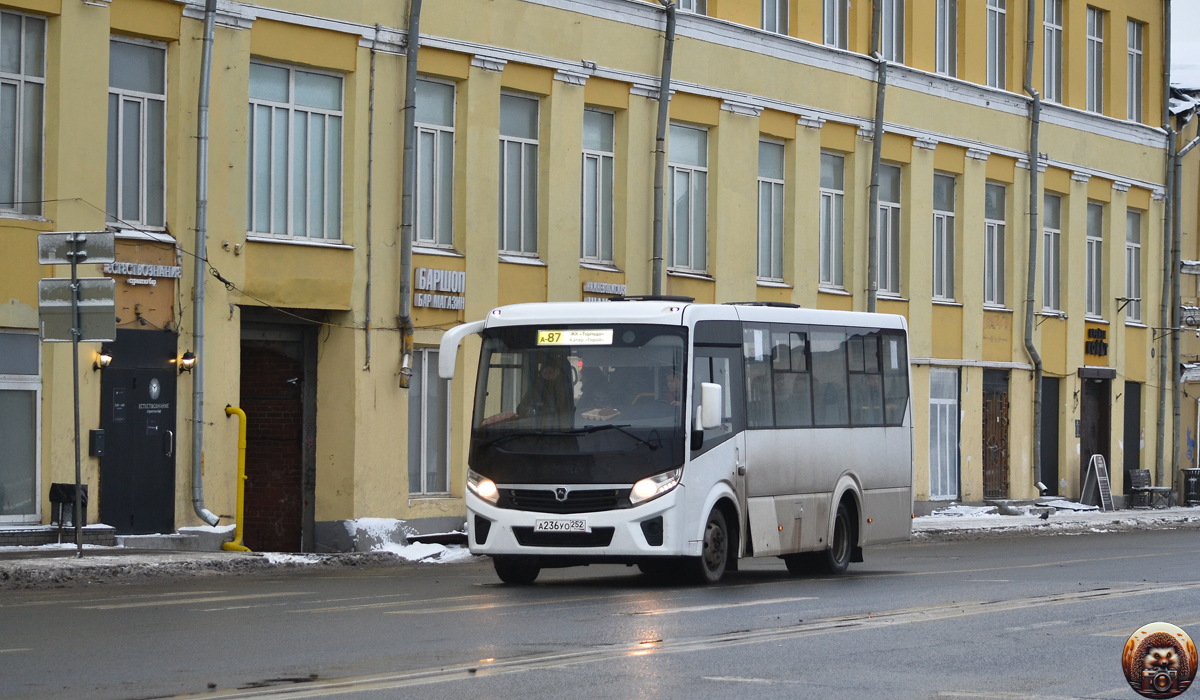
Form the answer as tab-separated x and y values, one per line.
236	545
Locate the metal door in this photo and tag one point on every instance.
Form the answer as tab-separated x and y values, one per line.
1095	423
995	434
943	434
137	414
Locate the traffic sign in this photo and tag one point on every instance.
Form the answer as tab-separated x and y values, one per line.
97	309
56	248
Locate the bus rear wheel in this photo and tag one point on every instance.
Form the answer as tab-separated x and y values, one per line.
516	571
709	567
836	559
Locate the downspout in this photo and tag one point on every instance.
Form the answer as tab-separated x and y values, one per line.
370	173
409	175
660	149
1035	122
200	270
1165	299
876	155
1176	336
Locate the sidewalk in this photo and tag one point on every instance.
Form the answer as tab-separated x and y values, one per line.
970	523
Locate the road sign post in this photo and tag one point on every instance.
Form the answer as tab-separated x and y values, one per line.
96	295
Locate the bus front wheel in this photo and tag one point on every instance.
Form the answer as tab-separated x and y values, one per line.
836	559
516	571
714	554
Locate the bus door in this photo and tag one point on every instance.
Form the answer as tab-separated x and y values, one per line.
722	454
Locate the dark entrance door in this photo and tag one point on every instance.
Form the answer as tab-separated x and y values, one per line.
1049	454
137	414
1132	442
275	387
1095	423
995	433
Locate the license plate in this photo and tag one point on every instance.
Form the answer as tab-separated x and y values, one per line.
578	525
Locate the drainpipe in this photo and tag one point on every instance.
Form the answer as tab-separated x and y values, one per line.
1176	337
200	272
409	181
1035	122
660	150
370	173
1165	315
876	155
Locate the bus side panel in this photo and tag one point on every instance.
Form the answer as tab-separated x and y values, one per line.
891	513
713	470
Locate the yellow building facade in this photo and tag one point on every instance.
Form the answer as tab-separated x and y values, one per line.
536	121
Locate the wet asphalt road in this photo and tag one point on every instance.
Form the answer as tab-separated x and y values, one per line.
1009	618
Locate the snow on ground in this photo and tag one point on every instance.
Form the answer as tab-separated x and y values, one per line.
428	553
961	511
282	558
1060	522
218	529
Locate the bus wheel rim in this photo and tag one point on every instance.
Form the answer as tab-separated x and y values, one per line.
714	547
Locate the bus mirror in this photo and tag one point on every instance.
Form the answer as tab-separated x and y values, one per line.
448	351
711	403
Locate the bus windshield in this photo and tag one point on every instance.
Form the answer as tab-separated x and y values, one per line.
612	391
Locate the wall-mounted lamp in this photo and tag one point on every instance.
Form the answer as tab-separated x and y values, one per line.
187	362
103	360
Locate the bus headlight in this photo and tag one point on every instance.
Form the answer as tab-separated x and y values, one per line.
654	486
482	486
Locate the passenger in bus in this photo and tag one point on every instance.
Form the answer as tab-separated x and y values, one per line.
597	401
549	402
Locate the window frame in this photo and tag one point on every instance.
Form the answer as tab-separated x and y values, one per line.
336	194
944	245
778	188
1095	59
28	204
600	233
143	98
1052	41
29	382
780	20
1094	265
423	429
995	239
672	169
945	45
1133	268
891	35
697	7
997	44
831	249
835	21
536	143
1134	66
438	131
889	245
1051	276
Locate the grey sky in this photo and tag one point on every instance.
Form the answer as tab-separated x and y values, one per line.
1185	47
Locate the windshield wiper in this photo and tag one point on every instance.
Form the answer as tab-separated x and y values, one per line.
576	431
621	428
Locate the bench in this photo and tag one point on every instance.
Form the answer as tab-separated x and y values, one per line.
1151	496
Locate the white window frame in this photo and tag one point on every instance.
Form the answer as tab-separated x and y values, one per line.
1051	262
889	245
29	382
143	98
944	438
776	187
440	134
1133	268
699	7
689	265
997	43
599	235
946	38
527	248
775	16
891	35
832	242
332	191
27	203
429	372
836	18
1133	82
1095	60
1052	47
994	240
1094	277
943	248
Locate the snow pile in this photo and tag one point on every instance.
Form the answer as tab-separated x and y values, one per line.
961	511
1060	504
429	553
215	529
282	558
391	535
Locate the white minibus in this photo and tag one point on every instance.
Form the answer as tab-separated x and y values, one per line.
681	437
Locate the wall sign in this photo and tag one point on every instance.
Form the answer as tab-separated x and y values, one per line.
1097	342
602	288
140	270
433	280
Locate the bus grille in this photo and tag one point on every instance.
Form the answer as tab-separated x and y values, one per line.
577	501
598	537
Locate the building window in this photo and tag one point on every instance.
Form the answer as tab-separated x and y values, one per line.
1051	249
518	174
1133	265
837	23
770	210
597	242
435	164
833	194
1133	72
997	47
1052	65
428	427
994	222
699	7
137	121
295	174
20	400
891	35
1095	60
775	16
946	37
22	84
943	433
1095	258
889	229
943	237
688	199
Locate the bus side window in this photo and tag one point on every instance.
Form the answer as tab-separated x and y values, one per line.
830	395
790	378
757	353
866	384
895	377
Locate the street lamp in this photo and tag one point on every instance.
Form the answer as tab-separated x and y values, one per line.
103	360
187	362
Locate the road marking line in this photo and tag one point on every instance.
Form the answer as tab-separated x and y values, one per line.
1127	631
187	601
240	607
1004	696
67	601
560	660
736	679
720	606
1036	626
369	606
11	651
